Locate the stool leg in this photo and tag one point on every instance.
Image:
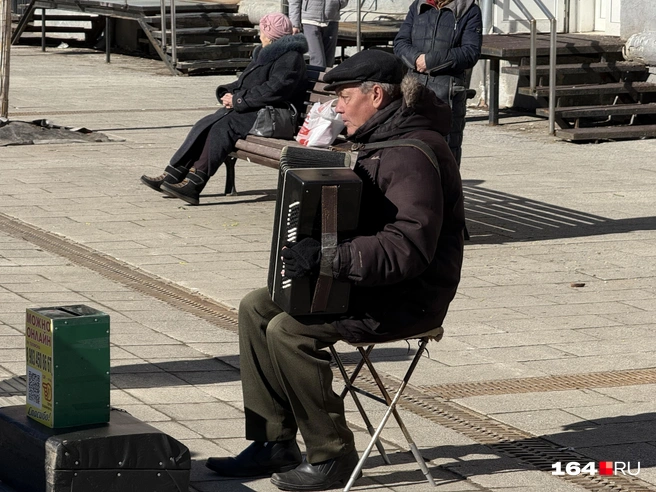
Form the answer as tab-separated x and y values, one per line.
374	439
355	372
391	403
349	387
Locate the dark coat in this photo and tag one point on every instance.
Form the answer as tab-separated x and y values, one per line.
406	257
276	75
452	34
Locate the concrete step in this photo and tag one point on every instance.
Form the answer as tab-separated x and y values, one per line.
579	68
592	89
600	111
607	133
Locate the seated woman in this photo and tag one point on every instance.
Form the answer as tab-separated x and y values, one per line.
276	75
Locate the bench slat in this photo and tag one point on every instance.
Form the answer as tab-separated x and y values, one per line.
263	161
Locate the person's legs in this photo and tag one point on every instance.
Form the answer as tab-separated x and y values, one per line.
269	420
458	111
302	365
315	42
329	36
177	170
268	415
217	145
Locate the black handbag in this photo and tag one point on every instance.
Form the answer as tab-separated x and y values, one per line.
275	122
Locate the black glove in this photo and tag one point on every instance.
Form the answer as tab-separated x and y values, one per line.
302	258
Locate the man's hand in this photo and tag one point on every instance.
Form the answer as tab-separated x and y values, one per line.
227	100
301	259
295	30
420	64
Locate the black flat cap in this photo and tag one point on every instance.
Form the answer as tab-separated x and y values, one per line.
364	66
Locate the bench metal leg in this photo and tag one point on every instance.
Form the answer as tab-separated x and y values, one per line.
493	96
230	176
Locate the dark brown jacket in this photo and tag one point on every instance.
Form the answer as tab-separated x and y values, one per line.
405	260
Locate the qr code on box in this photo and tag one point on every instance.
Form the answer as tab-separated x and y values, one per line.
33	387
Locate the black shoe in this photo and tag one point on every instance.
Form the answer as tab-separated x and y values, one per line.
189	189
258	460
322	476
171	175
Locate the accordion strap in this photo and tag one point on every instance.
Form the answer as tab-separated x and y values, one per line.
406	142
328	248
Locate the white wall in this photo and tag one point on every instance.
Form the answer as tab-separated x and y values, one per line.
637	16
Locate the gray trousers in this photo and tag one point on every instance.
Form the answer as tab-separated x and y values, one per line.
322	43
287	380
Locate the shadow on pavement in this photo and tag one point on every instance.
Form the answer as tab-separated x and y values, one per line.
495	217
624	438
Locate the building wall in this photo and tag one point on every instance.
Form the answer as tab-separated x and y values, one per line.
637	16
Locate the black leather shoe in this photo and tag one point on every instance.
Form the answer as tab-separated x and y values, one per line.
189	189
260	459
171	175
322	476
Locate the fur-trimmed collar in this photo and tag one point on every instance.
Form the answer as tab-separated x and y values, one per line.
418	109
268	54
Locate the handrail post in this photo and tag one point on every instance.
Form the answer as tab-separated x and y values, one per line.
174	41
358	40
534	54
552	78
162	10
43	29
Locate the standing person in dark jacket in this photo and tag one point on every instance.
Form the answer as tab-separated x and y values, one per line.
404	263
319	20
276	75
439	40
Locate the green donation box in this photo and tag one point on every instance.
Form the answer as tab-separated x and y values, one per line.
67	354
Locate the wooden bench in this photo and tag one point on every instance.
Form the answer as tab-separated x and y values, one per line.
266	151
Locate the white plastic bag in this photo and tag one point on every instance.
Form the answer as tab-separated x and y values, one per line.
321	126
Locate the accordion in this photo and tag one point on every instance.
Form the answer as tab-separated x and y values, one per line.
318	197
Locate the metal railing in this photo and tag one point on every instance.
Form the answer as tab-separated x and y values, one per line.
534	52
19	6
174	41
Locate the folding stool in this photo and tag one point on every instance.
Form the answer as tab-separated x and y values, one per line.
365	350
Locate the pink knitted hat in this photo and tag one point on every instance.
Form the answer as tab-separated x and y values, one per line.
275	26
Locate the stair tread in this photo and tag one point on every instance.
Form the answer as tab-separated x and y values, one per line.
57	29
232	63
578	89
600	110
190	31
509	46
623	66
607	133
214	47
231	15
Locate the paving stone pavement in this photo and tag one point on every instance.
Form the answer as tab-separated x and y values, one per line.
543	215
